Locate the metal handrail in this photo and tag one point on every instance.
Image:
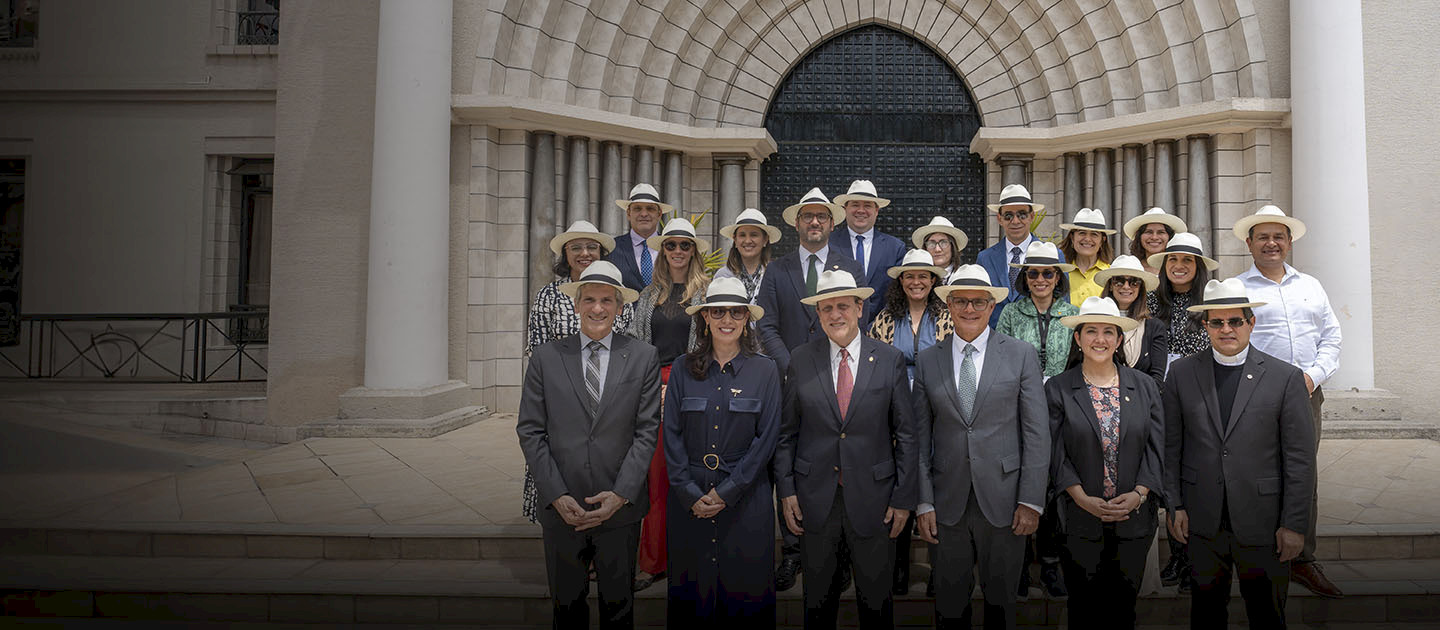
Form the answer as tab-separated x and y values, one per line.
176	347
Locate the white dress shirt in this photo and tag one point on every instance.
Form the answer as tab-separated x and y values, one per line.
823	254
604	357
638	244
869	245
957	355
1296	324
854	361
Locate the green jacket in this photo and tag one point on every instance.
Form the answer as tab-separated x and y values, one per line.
1021	321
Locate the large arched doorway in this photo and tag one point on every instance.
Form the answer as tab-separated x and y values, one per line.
874	103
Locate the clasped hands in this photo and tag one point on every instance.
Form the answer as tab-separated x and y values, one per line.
1111	511
582	519
1025	521
708	505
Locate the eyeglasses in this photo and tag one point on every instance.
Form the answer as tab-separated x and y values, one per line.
1023	215
1040	273
978	304
820	217
683	245
735	312
1220	324
1126	281
943	243
577	248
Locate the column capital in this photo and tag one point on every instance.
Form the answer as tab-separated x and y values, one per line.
731	158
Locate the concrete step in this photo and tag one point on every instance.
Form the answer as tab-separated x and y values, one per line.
512	592
493	542
1380	429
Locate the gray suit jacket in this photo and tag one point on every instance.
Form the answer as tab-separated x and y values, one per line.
1003	452
571	452
1262	464
874	444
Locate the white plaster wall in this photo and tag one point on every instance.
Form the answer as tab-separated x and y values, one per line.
1403	130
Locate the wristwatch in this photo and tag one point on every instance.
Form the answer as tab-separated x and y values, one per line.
1143	497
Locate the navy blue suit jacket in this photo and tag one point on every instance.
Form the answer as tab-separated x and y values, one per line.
787	323
996	261
885	252
624	259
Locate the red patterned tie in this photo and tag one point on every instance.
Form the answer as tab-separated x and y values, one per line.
844	382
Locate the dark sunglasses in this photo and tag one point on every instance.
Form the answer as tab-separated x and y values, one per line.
735	312
1233	322
1126	281
683	245
1012	215
1040	273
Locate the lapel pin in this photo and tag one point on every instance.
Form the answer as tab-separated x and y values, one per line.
872	359
1249	376
1127	399
734	392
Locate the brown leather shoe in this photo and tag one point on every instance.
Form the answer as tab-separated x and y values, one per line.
1310	575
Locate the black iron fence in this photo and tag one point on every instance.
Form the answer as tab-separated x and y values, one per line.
159	347
258	28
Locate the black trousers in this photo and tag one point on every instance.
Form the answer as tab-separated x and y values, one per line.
1103	577
1264	581
568	555
969	546
1307	553
872	561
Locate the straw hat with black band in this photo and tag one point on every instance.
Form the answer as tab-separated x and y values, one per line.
835	283
970	278
861	190
578	230
600	272
1043	254
1088	219
1154	215
943	226
916	260
1183	243
1220	295
1099	310
1127	265
1269	214
678	228
1015	195
814	198
753	218
726	292
644	193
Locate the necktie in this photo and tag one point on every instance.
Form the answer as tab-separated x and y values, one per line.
967	382
860	253
592	377
1014	260
844	382
646	265
813	277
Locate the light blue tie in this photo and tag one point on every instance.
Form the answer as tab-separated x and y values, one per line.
646	265
967	382
860	255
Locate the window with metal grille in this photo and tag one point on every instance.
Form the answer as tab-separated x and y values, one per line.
258	23
19	23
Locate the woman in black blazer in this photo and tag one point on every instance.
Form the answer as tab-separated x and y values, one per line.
1107	432
1147	346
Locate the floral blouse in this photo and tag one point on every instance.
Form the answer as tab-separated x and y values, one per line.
1106	401
552	316
1186	335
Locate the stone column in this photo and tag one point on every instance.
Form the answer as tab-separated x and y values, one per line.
732	193
577	182
612	219
1131	199
1074	186
407	341
542	211
1164	176
1103	196
1327	101
1198	201
1015	169
645	166
673	188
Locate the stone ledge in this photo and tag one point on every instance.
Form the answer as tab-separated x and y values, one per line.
393	427
366	403
1362	405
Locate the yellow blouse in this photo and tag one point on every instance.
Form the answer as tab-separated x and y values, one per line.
1082	283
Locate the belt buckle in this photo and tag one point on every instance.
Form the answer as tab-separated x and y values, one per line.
708	457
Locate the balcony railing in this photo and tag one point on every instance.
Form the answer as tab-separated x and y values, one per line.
159	347
258	28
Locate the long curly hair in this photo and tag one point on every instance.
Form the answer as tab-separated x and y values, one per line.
897	303
697	361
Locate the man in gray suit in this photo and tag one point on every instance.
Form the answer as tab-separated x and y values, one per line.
846	458
980	414
589	417
1239	460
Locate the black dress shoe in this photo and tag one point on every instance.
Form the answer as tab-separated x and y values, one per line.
1170	575
643	582
1052	580
785	573
901	584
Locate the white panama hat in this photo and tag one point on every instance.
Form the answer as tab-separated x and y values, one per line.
1015	195
1127	265
836	283
678	228
944	226
600	272
726	292
1269	214
647	194
578	230
1043	254
970	278
1088	219
1099	310
753	218
917	260
1183	243
814	198
1221	295
1154	215
861	190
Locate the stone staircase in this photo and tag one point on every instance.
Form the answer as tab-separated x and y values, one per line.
493	576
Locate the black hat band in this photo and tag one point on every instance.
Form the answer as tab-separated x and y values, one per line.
1183	249
1090	226
601	279
1040	261
1226	300
751	222
1010	200
835	289
810	200
726	298
971	282
644	197
864	194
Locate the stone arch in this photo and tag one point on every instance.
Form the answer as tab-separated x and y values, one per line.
1028	62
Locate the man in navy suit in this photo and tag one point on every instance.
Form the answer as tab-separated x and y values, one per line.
873	250
632	256
789	324
1014	213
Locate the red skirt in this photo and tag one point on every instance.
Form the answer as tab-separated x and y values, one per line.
652	530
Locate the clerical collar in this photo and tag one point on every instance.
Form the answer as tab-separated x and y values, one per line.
1238	359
